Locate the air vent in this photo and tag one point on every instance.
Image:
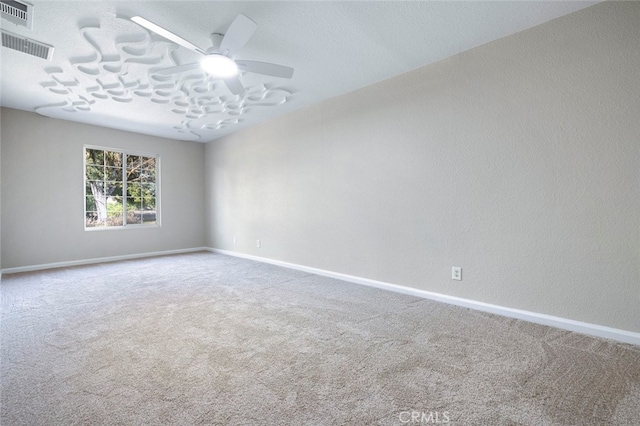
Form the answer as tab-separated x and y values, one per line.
26	45
18	12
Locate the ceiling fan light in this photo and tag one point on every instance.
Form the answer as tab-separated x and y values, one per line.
219	65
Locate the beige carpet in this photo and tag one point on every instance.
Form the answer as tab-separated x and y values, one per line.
210	339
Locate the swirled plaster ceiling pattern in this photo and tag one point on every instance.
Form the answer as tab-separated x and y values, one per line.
122	70
104	67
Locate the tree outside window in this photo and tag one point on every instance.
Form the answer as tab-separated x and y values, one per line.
121	189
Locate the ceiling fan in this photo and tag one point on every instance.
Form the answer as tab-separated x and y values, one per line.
219	61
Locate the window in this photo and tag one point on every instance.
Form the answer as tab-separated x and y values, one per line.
121	189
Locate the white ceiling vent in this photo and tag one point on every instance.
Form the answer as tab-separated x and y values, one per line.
26	45
18	12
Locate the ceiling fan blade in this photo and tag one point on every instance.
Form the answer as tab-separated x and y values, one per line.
166	34
234	85
238	34
178	69
265	68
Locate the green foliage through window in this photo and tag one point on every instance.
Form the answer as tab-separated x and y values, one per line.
120	189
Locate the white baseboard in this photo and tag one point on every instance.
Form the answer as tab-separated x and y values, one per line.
98	260
558	322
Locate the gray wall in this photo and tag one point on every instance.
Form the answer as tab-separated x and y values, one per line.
518	161
0	194
42	193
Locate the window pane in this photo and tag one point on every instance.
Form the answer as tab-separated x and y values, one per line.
114	218
133	162
91	220
148	175
114	211
148	204
113	158
134	218
114	188
134	210
94	156
148	163
148	190
90	204
114	173
95	172
133	175
149	217
134	204
134	190
114	203
95	187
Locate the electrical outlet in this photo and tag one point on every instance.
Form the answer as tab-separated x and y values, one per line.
456	273
258	243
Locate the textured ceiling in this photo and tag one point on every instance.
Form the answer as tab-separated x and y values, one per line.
103	69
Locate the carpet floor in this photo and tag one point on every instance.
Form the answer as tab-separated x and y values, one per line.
204	338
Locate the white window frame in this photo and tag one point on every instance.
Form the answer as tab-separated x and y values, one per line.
124	225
